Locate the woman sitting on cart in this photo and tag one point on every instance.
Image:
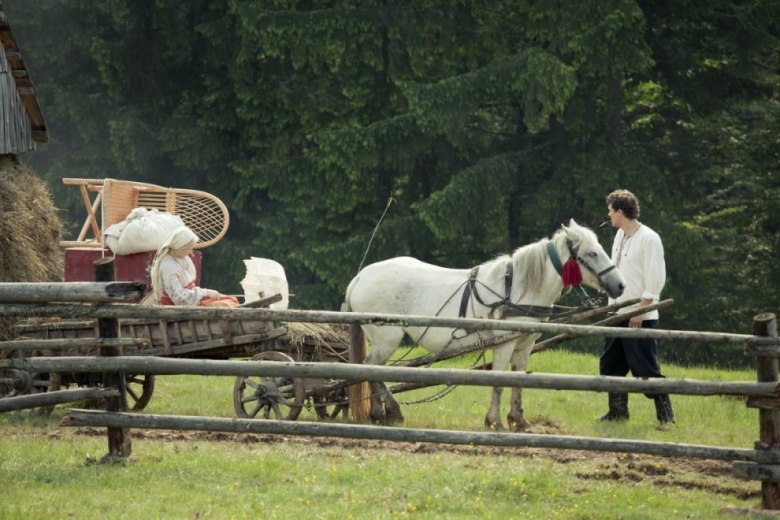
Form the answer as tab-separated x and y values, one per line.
173	275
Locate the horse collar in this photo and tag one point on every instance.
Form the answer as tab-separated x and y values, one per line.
554	258
570	272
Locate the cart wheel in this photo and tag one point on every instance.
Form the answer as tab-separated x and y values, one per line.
54	384
7	378
268	397
329	406
139	390
14	383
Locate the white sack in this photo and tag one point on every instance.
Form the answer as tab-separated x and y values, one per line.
142	230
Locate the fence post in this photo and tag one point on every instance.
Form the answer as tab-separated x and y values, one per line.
768	418
119	443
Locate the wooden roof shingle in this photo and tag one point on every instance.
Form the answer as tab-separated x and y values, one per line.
24	85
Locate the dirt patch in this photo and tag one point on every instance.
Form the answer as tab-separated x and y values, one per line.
707	475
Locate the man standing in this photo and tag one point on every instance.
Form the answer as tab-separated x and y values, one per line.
639	254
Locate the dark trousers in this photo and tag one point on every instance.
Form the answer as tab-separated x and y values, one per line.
637	355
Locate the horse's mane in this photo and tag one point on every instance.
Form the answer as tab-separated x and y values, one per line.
529	263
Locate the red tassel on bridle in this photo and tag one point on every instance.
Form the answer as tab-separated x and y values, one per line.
571	272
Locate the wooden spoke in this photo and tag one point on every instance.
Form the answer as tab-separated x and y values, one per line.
268	397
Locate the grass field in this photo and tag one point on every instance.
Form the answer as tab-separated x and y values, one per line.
49	471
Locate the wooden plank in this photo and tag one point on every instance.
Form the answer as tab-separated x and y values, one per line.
42	399
177	330
71	292
262	302
452	352
167	349
387	433
119	442
25	328
359	393
762	350
608	322
768	419
194	331
91	221
581	316
227	331
65	343
217	346
148	330
213	313
431	376
763	403
753	471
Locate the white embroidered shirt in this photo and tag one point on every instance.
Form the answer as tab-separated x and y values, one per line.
642	264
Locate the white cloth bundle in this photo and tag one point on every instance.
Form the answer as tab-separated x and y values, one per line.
142	230
267	277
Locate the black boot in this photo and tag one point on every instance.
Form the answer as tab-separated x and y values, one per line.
618	408
663	409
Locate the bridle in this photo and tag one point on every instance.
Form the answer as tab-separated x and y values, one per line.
505	308
573	252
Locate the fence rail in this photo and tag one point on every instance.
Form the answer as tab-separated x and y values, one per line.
115	311
760	463
429	376
386	433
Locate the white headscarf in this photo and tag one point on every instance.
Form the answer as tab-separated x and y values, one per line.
179	238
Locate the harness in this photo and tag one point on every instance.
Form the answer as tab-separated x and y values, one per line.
504	306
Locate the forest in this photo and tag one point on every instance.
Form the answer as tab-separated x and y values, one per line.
342	133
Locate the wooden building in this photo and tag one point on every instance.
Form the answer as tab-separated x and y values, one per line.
21	120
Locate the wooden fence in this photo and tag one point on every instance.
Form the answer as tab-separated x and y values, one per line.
762	462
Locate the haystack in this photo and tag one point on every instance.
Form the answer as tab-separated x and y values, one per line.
30	230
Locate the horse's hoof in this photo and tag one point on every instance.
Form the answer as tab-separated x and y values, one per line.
520	425
493	425
394	417
393	421
377	417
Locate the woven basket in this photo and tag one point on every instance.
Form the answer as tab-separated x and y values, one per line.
202	212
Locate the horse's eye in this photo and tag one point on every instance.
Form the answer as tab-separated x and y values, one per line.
593	254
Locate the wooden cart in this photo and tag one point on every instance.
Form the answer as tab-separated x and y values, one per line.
252	396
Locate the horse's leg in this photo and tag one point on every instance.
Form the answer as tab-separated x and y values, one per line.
376	412
384	341
520	355
501	355
392	411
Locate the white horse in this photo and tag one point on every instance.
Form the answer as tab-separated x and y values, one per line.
522	286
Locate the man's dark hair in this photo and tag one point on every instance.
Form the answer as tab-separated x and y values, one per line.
626	201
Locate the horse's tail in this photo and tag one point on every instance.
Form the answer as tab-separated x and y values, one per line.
359	393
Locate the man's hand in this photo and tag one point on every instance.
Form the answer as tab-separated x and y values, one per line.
636	322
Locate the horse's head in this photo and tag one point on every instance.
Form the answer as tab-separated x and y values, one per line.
596	267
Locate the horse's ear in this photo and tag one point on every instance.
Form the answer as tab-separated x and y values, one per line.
572	232
572	225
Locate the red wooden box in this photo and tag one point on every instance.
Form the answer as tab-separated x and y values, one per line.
80	265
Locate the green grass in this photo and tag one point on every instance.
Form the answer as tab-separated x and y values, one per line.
49	471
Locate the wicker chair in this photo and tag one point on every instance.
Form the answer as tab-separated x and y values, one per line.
202	212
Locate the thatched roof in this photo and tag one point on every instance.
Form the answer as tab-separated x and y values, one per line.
22	80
